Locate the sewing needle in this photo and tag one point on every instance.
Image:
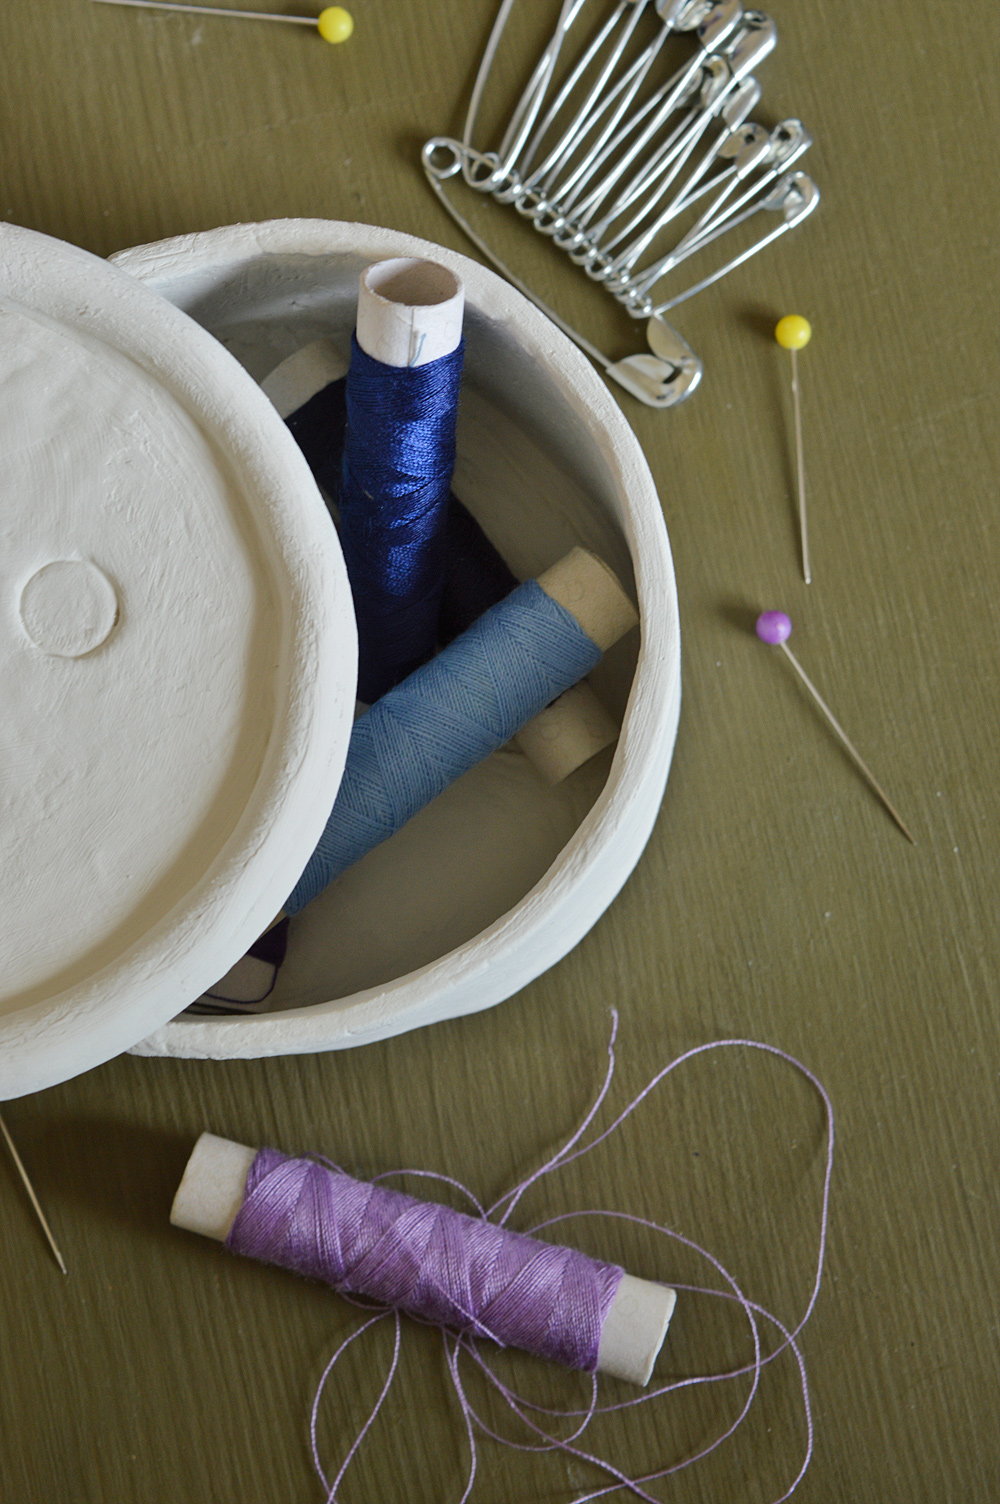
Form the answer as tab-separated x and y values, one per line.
333	24
46	1229
793	333
774	628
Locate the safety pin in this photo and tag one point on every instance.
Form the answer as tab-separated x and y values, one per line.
725	74
602	267
757	39
633	292
574	79
628	87
790	140
628	257
689	199
734	114
688	14
605	147
748	146
782	197
699	83
722	20
537	85
549	210
583	115
748	45
482	74
719	23
661	379
751	145
796	196
700	235
546	176
674	15
501	180
519	129
730	97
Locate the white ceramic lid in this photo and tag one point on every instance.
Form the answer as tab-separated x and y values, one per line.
177	660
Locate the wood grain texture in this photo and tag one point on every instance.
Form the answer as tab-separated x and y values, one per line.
775	899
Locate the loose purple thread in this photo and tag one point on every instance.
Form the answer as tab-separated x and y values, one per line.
440	1265
465	1342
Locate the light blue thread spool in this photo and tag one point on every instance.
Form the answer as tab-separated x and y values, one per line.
442	720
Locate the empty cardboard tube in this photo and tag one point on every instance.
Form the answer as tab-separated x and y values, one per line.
409	311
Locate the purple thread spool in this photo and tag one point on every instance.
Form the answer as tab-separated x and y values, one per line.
418	1256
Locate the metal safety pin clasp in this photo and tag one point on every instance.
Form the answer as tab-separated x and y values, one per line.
666	376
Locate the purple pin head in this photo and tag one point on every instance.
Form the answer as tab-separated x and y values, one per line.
774	627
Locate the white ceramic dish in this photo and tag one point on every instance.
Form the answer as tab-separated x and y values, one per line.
502	875
177	654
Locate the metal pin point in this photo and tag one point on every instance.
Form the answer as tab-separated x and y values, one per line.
774	628
46	1229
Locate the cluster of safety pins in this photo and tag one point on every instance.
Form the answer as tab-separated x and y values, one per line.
610	160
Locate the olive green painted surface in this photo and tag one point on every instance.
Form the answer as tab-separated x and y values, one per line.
775	900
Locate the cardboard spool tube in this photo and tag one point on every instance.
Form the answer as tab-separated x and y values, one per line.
211	1193
302	375
568	733
409	311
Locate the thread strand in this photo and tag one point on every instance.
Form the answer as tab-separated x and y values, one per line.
465	1342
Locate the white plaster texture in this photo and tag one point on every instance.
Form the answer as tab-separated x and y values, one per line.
177	654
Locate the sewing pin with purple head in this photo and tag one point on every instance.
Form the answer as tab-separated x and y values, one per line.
775	628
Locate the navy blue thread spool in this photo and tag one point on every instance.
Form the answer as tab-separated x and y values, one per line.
476	575
308	389
399	450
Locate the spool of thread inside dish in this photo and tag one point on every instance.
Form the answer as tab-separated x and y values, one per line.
567	734
465	704
317	1221
399	451
500	675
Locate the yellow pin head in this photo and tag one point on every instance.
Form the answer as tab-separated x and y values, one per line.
335	24
793	331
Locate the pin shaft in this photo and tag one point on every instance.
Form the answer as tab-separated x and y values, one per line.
800	468
845	740
46	1229
212	10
